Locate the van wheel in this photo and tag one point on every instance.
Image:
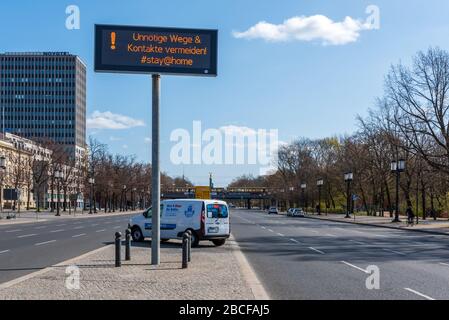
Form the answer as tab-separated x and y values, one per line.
195	239
136	234
219	242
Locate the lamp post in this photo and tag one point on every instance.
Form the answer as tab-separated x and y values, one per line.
303	190
348	180
91	182
2	171
319	183
292	190
58	177
397	167
133	195
124	199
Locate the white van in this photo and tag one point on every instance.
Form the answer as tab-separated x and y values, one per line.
206	219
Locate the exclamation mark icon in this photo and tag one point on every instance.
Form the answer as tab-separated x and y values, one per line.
113	39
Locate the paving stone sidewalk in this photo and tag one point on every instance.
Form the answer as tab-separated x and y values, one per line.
439	226
214	273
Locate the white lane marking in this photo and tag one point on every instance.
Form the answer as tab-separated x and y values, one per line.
280	234
295	241
79	235
316	250
419	294
354	266
330	235
46	242
358	242
102	230
4	251
379	235
444	264
27	235
270	230
393	251
11	231
55	231
264	228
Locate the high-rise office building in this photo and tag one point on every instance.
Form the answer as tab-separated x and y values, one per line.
43	98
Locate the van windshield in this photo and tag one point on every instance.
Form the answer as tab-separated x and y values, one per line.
217	211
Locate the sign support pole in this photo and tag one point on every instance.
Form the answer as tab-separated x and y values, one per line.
156	174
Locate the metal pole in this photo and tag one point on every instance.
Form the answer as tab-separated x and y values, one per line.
128	244
57	199
118	262
156	177
319	200
396	214
90	200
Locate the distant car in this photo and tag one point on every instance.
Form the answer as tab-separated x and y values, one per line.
290	212
231	206
298	213
273	210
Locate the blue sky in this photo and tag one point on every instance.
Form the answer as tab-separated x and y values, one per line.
302	88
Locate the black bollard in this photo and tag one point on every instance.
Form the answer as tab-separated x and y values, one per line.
128	244
189	246
185	254
118	240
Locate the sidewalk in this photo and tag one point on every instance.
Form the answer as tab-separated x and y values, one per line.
33	217
214	273
439	226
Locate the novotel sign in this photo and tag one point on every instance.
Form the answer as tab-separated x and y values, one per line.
154	50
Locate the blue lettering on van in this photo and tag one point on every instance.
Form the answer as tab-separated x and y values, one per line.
164	226
190	212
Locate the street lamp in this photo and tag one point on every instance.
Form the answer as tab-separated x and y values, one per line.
348	179
303	190
58	176
319	183
124	198
397	167
133	194
91	182
2	171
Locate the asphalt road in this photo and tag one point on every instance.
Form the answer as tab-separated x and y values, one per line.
25	248
302	258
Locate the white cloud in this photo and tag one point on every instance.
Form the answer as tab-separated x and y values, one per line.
113	121
312	28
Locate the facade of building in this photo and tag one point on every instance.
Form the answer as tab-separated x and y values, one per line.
43	98
16	182
29	173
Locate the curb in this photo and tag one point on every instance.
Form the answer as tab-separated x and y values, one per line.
380	226
248	272
80	216
47	269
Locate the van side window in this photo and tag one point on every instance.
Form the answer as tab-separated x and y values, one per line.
149	212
